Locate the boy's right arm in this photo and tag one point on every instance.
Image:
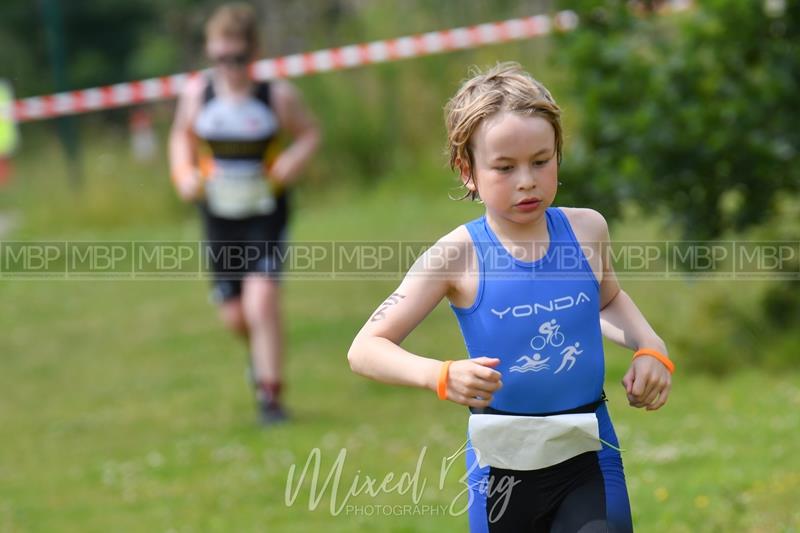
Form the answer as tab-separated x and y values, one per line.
375	352
182	147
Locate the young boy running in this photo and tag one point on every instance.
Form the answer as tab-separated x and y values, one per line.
533	290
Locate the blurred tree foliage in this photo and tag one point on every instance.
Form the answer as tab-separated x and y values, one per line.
694	115
101	36
694	112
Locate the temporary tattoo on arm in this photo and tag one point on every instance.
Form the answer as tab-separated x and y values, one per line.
380	314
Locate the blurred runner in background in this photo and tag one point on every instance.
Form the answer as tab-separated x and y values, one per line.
225	156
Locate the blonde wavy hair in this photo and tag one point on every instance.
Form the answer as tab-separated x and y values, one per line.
504	87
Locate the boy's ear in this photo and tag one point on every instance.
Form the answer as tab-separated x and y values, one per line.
466	175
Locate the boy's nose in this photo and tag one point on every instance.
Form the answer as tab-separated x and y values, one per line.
526	180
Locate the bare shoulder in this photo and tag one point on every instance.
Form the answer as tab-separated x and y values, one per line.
588	224
459	235
193	88
452	254
283	93
292	111
458	265
591	230
190	99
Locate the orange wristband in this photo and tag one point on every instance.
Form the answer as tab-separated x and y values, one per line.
441	385
658	355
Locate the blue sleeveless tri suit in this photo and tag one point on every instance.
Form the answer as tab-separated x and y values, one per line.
541	319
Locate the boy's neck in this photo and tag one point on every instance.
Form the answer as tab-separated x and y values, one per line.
230	87
512	232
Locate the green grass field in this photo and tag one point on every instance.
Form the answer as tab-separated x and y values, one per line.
124	405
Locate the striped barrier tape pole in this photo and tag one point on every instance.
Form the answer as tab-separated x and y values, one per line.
295	65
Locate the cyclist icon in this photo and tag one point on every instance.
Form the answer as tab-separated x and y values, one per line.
549	335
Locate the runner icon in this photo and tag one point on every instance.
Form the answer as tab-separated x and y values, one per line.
569	354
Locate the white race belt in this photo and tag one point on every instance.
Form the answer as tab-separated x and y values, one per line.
239	193
532	442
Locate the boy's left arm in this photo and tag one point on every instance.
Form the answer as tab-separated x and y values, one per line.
647	382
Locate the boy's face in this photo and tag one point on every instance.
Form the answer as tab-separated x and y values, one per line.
515	166
229	55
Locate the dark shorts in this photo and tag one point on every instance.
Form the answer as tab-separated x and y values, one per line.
585	494
236	248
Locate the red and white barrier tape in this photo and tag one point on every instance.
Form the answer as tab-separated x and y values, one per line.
136	92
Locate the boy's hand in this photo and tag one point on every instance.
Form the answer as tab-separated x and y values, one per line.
647	383
281	171
276	184
472	382
189	185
